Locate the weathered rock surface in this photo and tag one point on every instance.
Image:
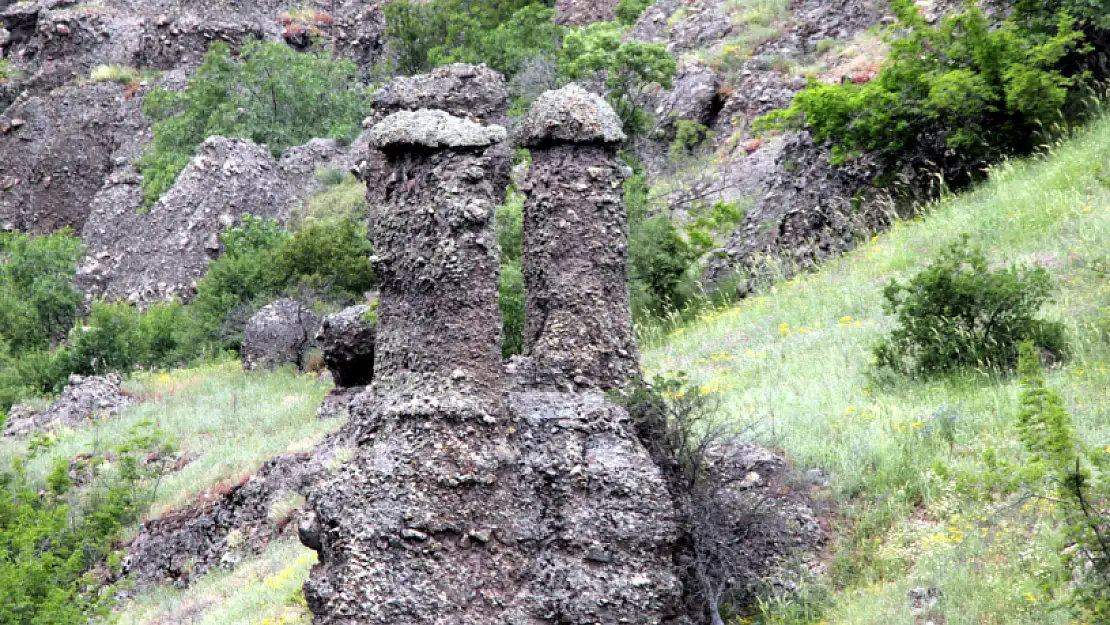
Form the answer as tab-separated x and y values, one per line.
473	92
808	212
583	12
461	504
152	255
281	333
347	341
55	152
229	522
433	129
575	261
83	400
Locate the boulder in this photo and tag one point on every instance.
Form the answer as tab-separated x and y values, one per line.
347	341
83	400
279	334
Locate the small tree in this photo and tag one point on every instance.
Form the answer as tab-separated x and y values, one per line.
630	70
272	95
958	312
1057	470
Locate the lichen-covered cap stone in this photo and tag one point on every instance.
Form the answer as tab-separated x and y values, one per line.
433	129
570	115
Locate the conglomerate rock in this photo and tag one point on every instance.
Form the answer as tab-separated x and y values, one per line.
281	333
464	503
347	341
55	152
84	399
575	260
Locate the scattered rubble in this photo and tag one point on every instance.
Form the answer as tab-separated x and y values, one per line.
84	399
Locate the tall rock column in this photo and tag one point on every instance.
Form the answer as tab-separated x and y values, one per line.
416	528
577	322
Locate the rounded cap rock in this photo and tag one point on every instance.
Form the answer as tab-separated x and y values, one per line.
570	115
433	129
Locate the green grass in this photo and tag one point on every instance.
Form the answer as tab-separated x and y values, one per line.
265	590
228	420
122	74
795	361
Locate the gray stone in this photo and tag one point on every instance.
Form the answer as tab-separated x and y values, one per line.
347	341
83	400
570	115
279	334
578	329
433	129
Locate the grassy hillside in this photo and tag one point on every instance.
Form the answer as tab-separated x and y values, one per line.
915	507
794	362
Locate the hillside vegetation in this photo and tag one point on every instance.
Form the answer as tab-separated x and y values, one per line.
916	467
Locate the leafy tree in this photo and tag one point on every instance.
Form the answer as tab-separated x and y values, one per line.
500	33
953	95
331	258
631	70
38	299
110	340
272	95
958	312
527	34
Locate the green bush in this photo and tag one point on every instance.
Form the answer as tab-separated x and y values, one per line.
630	69
52	536
237	283
510	220
272	95
628	11
500	33
957	94
958	312
1058	469
38	299
325	260
111	340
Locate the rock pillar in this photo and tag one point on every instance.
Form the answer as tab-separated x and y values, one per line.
436	257
578	326
416	528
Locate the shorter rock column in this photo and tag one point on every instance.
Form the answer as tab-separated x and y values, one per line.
578	328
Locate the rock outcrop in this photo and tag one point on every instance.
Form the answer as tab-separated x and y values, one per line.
280	334
466	502
230	522
144	255
810	211
347	341
575	262
56	151
83	400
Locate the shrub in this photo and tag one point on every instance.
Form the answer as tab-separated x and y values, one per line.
236	282
500	33
511	297
272	95
330	258
628	11
958	312
631	70
49	540
510	218
38	300
325	259
953	95
1057	470
111	340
